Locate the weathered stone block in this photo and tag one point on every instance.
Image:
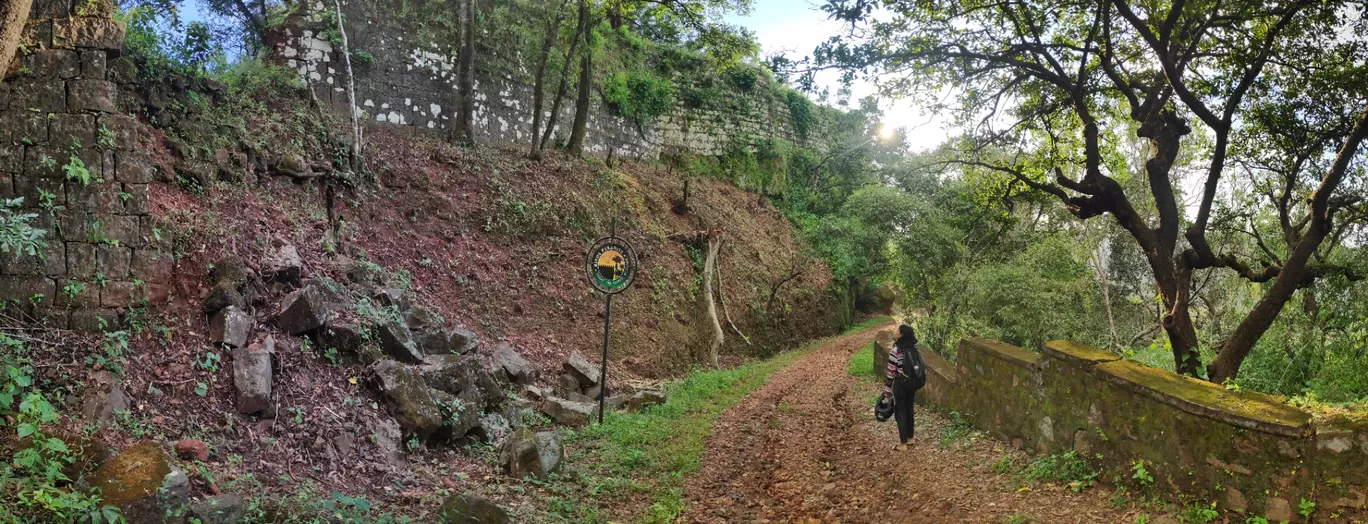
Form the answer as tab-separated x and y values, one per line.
408	395
100	197
230	327
88	32
93	64
11	161
31	290
134	167
40	190
52	318
77	294
151	262
283	265
517	368
123	229
252	378
302	311
569	413
118	131
55	63
142	482
121	294
21	127
471	509
94	319
92	95
586	372
49	261
37	93
397	341
67	131
528	454
134	198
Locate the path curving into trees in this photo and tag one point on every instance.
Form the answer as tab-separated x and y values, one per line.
806	448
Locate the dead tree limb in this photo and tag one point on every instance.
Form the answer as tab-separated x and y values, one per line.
710	265
722	298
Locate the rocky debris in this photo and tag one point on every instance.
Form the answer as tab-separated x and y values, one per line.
302	311
527	454
388	438
517	368
343	334
492	427
644	399
584	371
283	265
470	509
252	377
228	276
1233	500
231	327
101	398
569	413
411	399
191	449
533	393
452	373
579	397
567	384
142	482
593	392
228	508
616	402
1278	510
397	342
395	298
464	340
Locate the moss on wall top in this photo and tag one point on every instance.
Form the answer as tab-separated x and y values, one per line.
1241	408
1007	352
1071	350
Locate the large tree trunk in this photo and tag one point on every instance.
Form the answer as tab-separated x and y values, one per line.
465	76
586	80
539	84
709	266
583	25
13	16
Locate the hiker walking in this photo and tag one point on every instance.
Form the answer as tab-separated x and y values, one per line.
906	374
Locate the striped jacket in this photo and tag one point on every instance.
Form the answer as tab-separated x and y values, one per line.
893	369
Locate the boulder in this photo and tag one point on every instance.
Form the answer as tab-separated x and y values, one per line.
409	397
533	393
397	342
527	454
579	397
464	340
460	413
102	398
344	335
283	265
1278	510
569	413
231	327
191	449
302	311
451	373
587	373
230	270
393	297
222	296
228	508
616	402
142	483
470	509
493	427
593	392
643	399
252	378
517	368
567	384
1233	500
389	438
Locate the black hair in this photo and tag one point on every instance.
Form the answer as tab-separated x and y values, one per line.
906	336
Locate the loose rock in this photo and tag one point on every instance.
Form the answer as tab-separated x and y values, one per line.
344	335
527	454
397	341
102	397
284	266
586	372
191	449
142	483
227	508
569	413
517	368
470	509
230	327
252	378
1278	510
302	311
409	396
464	340
642	399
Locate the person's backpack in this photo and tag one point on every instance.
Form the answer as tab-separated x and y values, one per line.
913	368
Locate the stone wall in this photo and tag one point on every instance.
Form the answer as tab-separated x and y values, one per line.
68	151
412	81
1246	451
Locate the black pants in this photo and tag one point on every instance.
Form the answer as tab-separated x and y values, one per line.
903	400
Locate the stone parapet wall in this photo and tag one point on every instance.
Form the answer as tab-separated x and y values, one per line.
69	152
1248	452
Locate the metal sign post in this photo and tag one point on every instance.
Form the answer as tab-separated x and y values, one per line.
611	267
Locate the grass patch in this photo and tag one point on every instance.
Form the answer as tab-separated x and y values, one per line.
872	322
862	363
1067	469
648	454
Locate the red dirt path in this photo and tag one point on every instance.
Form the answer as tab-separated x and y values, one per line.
806	448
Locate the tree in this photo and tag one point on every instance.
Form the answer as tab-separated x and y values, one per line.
581	26
465	75
1054	80
539	82
586	80
14	15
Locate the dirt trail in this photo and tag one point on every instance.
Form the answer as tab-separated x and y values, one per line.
806	448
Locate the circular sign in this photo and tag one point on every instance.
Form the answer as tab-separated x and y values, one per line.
611	265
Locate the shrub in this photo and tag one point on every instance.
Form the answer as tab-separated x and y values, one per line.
638	95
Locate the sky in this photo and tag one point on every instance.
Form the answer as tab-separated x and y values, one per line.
796	27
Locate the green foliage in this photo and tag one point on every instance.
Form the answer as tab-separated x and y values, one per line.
1068	469
862	363
1200	514
801	111
17	234
638	95
958	429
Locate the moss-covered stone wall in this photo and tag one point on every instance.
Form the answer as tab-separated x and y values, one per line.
1155	431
